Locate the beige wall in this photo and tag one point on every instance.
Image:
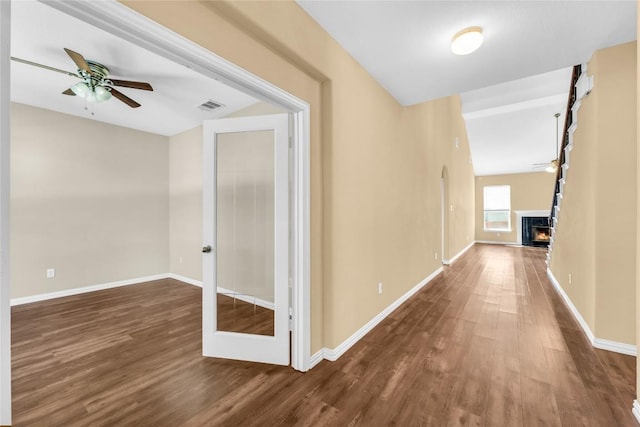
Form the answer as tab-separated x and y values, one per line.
375	166
88	199
529	192
596	233
185	188
637	260
185	183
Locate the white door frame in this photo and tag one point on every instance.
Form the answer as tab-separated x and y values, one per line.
442	231
121	21
5	143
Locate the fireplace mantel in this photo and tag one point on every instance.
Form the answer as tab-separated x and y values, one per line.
520	214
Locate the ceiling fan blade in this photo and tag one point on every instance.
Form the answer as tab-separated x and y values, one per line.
46	67
132	85
68	92
124	98
79	60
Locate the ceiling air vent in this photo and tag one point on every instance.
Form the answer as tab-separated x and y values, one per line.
210	105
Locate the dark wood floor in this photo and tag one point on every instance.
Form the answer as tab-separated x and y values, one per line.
486	343
238	316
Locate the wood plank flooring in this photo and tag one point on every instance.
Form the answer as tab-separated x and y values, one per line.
487	343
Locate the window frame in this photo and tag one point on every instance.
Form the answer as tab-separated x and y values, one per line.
484	211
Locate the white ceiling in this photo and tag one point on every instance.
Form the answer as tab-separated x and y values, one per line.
38	34
404	45
511	126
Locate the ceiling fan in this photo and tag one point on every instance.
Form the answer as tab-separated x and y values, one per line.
551	166
95	84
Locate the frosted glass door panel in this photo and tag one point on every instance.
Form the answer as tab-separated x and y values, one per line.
245	231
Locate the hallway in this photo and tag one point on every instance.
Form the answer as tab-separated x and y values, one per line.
488	342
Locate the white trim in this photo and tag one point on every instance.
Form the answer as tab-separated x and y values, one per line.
316	358
121	21
128	282
442	221
185	279
535	214
301	239
458	255
600	343
85	289
616	347
584	85
335	353
572	308
635	410
491	242
5	143
246	298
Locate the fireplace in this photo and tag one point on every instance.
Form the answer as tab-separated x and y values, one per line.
535	231
540	235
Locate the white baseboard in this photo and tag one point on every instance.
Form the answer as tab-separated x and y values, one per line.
616	347
335	353
491	242
246	298
316	358
572	308
458	255
110	285
85	289
185	279
600	343
636	410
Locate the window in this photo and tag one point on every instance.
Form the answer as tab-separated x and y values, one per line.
497	208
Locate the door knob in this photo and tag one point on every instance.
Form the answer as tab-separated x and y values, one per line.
206	249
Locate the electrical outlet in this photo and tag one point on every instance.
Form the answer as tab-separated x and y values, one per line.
569	278
180	259
498	234
379	288
51	273
435	255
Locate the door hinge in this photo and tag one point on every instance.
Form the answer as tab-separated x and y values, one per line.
290	319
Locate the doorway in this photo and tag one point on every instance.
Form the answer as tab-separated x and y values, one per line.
129	25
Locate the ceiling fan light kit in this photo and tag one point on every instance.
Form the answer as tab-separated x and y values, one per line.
552	166
92	94
95	85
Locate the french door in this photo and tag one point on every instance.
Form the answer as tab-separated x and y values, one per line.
246	239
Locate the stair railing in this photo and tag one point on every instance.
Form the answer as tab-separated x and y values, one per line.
568	121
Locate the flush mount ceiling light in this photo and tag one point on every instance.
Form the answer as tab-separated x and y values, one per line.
467	41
